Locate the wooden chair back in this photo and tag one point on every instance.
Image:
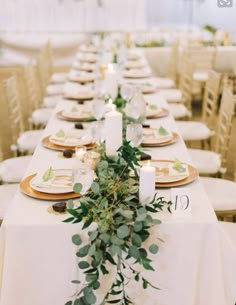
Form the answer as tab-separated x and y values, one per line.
14	108
5	123
226	114
173	63
18	71
186	83
210	99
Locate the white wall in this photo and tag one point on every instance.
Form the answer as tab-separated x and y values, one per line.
72	15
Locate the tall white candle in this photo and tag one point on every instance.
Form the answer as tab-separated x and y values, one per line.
146	183
111	81
113	129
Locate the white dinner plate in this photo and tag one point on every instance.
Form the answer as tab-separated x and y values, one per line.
61	183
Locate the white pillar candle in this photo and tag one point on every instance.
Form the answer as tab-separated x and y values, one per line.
147	183
113	129
111	81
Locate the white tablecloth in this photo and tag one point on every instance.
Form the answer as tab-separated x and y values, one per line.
37	260
158	58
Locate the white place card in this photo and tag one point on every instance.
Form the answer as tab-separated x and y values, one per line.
181	202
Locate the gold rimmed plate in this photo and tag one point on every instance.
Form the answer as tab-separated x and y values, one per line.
159	113
176	180
74	119
174	138
48	144
27	190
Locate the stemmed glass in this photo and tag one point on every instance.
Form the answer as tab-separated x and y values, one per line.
127	91
84	175
98	108
134	134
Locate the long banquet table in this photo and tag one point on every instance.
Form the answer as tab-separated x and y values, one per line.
37	258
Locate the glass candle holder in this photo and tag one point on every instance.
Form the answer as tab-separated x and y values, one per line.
91	158
80	151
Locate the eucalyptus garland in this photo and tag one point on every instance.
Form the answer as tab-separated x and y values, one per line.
122	226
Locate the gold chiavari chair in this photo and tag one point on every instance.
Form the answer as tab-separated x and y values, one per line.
25	106
24	141
222	195
40	116
180	100
214	162
204	130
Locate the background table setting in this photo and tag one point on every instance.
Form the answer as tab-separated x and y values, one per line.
37	258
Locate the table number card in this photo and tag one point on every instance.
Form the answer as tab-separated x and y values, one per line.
181	202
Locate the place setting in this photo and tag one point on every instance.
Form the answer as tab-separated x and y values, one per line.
52	184
87	57
155	112
169	173
82	77
137	73
84	66
69	139
78	92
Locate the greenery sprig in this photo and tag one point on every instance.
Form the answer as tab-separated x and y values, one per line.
122	226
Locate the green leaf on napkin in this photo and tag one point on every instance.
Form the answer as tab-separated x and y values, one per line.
153	107
48	175
179	167
74	109
162	131
60	134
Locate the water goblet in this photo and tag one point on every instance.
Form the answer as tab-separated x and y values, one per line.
134	134
84	175
98	108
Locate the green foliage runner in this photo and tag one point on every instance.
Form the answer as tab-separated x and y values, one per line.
122	226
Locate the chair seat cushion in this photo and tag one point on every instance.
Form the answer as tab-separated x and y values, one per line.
179	111
51	101
165	83
193	131
41	116
172	95
13	170
200	76
7	192
221	192
28	140
55	89
207	162
59	77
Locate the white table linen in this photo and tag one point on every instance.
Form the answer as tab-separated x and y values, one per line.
37	257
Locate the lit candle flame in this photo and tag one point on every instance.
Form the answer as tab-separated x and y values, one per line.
148	163
110	67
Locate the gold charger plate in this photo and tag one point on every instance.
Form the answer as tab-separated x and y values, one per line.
65	118
175	138
81	100
48	144
160	114
27	190
193	175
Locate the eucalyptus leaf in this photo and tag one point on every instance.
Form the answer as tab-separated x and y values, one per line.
83	251
95	188
76	239
136	240
162	131
134	252
83	265
77	187
153	249
48	175
123	231
60	134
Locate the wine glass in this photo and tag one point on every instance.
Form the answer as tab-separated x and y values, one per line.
98	108
127	91
84	175
97	132
134	134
